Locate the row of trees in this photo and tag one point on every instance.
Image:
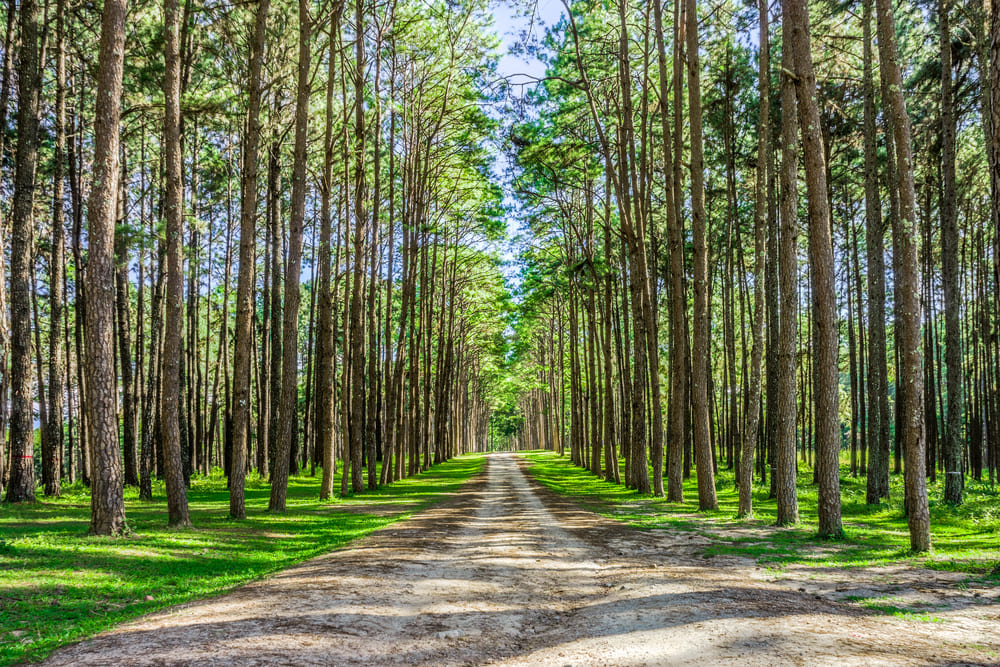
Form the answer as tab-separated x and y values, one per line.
286	257
670	236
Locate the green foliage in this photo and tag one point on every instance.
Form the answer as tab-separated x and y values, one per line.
965	538
57	585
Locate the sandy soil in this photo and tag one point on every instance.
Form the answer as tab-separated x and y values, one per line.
507	573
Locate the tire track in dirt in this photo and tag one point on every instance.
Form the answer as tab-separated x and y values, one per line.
507	573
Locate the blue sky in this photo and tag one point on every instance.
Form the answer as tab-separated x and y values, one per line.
515	18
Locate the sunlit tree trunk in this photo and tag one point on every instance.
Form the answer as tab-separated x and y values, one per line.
21	486
173	322
57	260
907	288
700	335
244	281
785	469
826	371
107	484
287	410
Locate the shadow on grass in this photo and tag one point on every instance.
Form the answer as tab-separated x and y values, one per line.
58	585
965	538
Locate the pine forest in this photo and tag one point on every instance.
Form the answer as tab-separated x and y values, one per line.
277	275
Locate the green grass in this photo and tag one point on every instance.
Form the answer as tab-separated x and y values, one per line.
965	538
57	585
892	606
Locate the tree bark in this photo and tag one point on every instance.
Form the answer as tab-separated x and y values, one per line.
879	416
357	411
57	261
173	320
826	368
785	469
21	486
107	484
952	445
906	288
125	358
700	336
245	277
324	333
287	408
678	348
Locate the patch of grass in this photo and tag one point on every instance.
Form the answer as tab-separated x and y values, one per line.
965	538
57	585
889	606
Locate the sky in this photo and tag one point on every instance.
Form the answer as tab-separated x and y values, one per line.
516	20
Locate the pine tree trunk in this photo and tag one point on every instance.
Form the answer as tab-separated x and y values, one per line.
245	278
826	369
107	484
5	86
700	335
323	415
271	377
57	260
287	408
785	467
357	411
173	320
994	159
125	360
954	480
878	393
678	301
21	486
906	289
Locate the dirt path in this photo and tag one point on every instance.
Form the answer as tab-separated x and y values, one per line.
507	573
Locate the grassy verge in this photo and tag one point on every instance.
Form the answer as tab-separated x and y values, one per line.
965	538
57	585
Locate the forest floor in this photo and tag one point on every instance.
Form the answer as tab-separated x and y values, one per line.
508	572
59	585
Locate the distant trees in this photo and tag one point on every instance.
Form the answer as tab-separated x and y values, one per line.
155	372
679	309
826	331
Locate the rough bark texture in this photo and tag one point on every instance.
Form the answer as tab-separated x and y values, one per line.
826	367
21	486
244	281
8	68
287	410
700	336
107	484
952	444
994	148
785	469
173	321
906	269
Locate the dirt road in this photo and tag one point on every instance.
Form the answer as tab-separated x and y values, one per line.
507	573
